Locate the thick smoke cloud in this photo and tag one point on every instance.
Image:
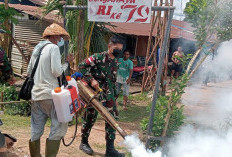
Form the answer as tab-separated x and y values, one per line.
201	143
137	148
211	134
218	67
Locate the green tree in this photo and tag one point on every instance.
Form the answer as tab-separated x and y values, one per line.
201	14
210	17
168	114
7	16
224	24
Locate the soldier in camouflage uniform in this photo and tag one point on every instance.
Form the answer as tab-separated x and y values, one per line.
100	71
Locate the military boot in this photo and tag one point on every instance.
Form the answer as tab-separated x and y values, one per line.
110	150
52	148
85	147
35	148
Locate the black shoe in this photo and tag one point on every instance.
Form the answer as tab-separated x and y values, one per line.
110	150
85	147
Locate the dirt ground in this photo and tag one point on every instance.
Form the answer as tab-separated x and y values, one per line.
196	99
96	139
200	102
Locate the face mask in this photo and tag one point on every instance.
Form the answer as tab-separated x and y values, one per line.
61	42
117	53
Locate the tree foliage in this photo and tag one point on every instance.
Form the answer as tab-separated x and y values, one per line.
224	24
162	110
7	17
168	116
210	17
8	14
10	94
93	32
200	13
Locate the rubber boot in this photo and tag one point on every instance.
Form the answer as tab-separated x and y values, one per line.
35	148
52	148
110	150
85	147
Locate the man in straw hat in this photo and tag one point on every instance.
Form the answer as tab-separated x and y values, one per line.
45	80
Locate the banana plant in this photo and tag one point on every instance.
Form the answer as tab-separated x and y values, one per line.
7	16
86	37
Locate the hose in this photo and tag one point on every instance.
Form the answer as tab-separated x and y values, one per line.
75	133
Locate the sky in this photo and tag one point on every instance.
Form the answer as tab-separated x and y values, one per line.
180	5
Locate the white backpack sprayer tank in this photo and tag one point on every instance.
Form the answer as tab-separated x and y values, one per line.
71	81
71	100
63	104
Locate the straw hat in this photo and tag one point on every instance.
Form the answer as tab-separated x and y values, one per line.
55	29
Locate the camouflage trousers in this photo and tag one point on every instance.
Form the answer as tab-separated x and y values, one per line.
90	117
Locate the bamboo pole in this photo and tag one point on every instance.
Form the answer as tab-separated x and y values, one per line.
193	60
167	118
2	100
196	54
13	102
7	28
80	35
148	48
19	49
165	70
136	46
89	39
203	59
170	106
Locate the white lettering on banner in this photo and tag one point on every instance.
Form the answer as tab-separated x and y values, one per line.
119	11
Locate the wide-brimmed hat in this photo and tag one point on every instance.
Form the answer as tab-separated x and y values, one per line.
55	29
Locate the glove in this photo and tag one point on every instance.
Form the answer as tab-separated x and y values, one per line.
77	75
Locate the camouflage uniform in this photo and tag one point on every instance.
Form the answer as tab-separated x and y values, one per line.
103	69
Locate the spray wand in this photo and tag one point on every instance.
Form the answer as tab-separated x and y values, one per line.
90	97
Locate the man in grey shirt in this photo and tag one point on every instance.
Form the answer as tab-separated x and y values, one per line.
45	80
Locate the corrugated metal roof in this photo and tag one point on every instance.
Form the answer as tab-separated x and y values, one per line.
37	12
27	33
178	29
39	2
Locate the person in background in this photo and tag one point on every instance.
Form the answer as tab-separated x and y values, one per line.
100	70
176	66
158	56
124	74
6	72
45	80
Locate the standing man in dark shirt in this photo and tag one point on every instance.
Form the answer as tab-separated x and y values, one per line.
176	66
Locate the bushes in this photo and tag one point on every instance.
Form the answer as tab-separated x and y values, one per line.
168	115
176	120
10	94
